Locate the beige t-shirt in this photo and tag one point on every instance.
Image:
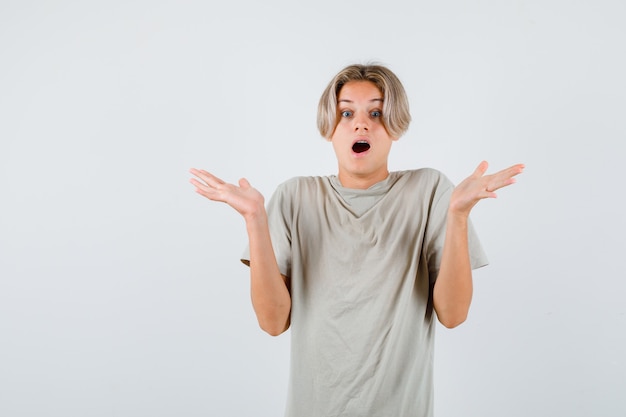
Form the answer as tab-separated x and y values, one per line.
362	265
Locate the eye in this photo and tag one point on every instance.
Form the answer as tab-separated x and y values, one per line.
346	113
376	113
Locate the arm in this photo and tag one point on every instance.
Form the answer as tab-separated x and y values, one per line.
452	294
268	288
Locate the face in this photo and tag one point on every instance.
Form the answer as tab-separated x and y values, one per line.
360	139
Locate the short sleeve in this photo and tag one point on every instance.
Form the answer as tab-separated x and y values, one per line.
279	214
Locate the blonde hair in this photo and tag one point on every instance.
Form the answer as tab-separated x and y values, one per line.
396	116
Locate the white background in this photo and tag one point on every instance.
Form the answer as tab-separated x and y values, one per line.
121	293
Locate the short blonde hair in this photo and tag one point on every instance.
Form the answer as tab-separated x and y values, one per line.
396	116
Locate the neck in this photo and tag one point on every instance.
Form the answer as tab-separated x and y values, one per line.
361	182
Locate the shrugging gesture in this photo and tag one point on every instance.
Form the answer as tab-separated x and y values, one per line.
361	257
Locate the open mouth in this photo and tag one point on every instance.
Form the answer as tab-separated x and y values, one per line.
360	146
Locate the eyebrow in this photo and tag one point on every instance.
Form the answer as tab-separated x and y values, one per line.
350	101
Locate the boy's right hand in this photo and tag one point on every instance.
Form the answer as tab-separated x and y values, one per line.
243	198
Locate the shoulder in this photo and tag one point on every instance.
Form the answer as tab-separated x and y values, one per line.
302	187
299	193
428	178
303	183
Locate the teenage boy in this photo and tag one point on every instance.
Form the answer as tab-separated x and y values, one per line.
357	263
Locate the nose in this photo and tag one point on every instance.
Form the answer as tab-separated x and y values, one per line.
361	122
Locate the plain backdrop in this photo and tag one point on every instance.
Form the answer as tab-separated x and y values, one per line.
121	290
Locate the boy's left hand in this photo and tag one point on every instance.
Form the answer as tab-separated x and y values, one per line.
478	186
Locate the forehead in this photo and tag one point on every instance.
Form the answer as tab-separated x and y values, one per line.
359	91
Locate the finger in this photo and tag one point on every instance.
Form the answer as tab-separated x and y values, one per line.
198	184
505	177
511	171
207	177
202	188
207	191
496	185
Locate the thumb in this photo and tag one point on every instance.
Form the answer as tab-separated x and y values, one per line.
243	183
481	169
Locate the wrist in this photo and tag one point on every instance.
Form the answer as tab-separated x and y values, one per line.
457	217
255	218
